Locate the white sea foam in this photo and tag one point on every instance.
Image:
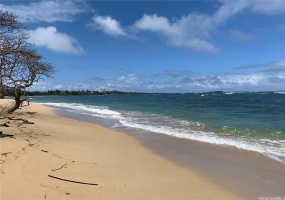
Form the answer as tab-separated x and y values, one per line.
279	92
180	129
210	137
99	110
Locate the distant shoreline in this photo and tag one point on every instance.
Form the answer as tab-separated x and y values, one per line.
116	92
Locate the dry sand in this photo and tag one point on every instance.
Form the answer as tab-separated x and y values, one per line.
86	152
5	104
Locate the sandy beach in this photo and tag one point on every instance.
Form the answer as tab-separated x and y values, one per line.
88	153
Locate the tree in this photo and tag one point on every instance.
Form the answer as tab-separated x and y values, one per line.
20	63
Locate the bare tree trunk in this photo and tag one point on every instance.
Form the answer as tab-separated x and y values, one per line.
1	89
1	93
17	101
16	106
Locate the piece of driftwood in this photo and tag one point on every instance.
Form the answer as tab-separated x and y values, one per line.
4	154
71	180
4	124
5	117
20	119
59	168
31	113
5	135
13	118
27	122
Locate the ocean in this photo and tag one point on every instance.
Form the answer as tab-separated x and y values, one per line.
253	121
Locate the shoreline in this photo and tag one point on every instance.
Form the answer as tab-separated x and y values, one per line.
250	174
81	151
245	172
144	122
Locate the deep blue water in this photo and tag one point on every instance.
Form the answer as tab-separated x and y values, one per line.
251	121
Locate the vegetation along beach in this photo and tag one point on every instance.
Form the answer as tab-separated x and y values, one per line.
142	100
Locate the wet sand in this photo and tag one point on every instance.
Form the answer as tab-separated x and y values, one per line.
84	152
249	174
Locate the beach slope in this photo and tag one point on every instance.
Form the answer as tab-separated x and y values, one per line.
55	146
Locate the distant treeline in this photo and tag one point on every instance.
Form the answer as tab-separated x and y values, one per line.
77	92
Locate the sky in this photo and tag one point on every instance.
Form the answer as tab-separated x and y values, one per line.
158	46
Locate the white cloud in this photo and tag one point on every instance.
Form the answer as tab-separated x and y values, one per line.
108	25
186	81
234	82
128	78
273	78
50	38
153	23
183	81
47	10
269	6
190	31
228	9
194	30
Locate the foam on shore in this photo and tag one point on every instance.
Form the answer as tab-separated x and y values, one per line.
180	129
81	151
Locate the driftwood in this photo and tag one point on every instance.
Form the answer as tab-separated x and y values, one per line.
31	112
4	124
27	122
9	117
59	168
5	154
4	117
20	119
71	180
13	118
5	135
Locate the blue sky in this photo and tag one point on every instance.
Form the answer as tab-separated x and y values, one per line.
158	46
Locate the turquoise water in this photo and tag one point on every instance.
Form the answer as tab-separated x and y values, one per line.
250	121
